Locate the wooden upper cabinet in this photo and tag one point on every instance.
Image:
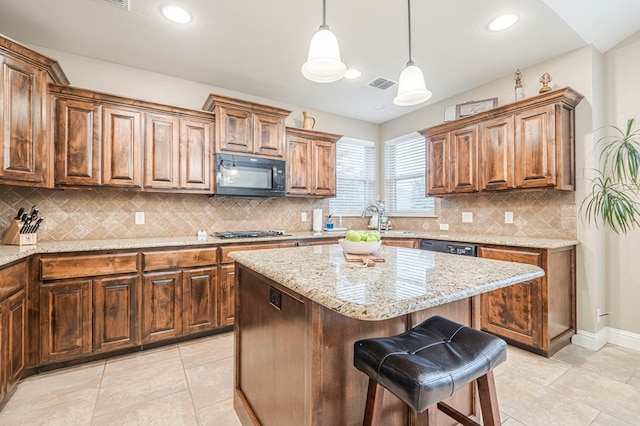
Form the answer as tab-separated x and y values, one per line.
195	154
77	142
437	164
324	168
535	148
464	160
246	127
299	165
107	140
496	151
121	147
25	149
311	163
452	162
162	150
529	144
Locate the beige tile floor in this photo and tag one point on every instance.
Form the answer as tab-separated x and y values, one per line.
191	384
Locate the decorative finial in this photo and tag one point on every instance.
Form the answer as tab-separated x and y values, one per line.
519	90
545	80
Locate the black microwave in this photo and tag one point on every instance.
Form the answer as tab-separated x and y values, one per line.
245	176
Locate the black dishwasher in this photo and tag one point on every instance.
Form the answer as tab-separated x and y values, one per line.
451	247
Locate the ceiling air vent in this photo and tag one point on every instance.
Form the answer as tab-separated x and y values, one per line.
381	83
124	4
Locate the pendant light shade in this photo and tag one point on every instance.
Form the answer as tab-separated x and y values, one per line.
412	89
323	63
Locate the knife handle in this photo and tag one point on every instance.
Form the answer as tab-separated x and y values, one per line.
19	215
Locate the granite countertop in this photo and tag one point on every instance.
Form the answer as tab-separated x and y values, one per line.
410	280
10	254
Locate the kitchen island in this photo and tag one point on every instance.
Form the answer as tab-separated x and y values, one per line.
299	311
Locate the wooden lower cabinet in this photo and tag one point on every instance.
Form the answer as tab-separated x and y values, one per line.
115	304
199	299
65	320
400	242
226	291
540	314
161	306
12	341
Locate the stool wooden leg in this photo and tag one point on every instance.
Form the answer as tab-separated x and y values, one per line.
373	408
432	415
488	400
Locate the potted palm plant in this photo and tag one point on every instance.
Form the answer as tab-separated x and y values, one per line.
614	199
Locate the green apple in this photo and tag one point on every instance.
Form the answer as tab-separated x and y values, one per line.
364	236
352	236
372	239
376	234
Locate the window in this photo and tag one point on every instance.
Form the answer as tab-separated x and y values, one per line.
404	170
355	176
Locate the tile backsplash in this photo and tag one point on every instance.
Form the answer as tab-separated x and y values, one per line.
108	214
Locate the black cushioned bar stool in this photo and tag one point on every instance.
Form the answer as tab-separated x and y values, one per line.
429	363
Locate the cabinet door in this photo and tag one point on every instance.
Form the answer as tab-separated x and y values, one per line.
496	154
162	151
65	315
234	130
535	150
23	143
514	312
226	294
121	145
4	356
195	156
324	168
161	306
299	165
116	312
269	135
400	242
464	160
77	143
16	337
437	165
199	299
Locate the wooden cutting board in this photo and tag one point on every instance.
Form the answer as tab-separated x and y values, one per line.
366	259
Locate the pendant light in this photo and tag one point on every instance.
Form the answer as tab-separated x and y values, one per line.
323	63
411	87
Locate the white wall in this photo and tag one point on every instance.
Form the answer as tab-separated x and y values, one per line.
622	65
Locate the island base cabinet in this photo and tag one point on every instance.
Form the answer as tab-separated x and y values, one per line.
294	359
538	315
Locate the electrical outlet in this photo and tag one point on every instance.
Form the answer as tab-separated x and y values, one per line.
508	217
139	218
467	217
444	226
303	216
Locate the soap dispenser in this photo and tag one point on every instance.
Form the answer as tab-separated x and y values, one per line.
329	224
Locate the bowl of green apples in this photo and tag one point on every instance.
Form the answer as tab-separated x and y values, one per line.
360	242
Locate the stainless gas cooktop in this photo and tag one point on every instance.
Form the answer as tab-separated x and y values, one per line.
249	234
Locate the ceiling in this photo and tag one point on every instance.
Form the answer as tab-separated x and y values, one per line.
258	46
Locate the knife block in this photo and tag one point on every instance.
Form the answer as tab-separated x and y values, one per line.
15	238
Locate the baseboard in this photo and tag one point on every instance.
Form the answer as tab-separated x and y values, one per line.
590	340
595	341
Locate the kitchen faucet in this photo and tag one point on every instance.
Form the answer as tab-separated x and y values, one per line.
378	207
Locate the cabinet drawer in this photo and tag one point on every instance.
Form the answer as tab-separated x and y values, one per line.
228	249
53	268
511	255
12	278
159	260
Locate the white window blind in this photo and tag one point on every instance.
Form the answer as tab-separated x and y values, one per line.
355	176
404	169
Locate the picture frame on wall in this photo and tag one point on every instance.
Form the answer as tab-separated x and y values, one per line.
475	107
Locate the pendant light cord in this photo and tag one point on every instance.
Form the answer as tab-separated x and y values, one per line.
324	16
409	19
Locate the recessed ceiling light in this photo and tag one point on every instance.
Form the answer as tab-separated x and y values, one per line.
352	73
176	14
503	22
